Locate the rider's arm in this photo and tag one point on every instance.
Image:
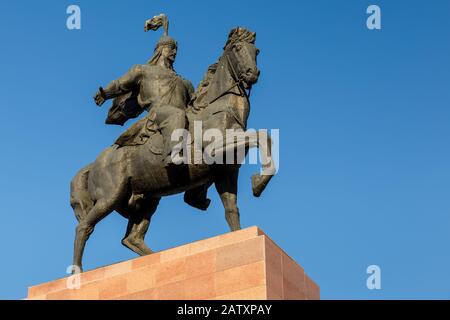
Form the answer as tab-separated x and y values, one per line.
124	84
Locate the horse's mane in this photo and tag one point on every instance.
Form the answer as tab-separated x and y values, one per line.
198	98
240	34
236	35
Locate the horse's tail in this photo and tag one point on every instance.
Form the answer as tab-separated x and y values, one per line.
80	199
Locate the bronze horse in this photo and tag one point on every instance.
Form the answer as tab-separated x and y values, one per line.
122	172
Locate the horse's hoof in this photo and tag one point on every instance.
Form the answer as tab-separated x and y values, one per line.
256	185
259	184
76	270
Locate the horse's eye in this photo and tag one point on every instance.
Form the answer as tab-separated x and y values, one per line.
238	47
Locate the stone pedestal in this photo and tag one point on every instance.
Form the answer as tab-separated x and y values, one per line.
242	265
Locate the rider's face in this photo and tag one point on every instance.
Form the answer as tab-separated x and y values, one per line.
170	53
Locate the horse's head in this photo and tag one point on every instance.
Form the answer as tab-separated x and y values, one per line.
242	54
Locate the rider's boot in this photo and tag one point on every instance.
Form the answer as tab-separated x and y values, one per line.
135	201
197	198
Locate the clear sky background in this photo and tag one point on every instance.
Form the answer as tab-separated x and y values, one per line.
364	119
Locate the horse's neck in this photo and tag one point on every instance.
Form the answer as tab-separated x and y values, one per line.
222	82
224	92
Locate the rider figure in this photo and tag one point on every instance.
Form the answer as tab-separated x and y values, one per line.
160	89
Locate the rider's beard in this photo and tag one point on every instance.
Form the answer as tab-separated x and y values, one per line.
158	56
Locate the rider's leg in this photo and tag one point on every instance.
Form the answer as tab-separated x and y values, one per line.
169	119
197	197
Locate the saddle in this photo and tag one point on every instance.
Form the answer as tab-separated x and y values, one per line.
146	130
142	132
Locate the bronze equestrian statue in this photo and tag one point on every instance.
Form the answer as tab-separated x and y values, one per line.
131	176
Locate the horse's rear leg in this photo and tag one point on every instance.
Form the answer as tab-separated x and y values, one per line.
226	186
86	225
138	224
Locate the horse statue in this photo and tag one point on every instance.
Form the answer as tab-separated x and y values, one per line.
132	178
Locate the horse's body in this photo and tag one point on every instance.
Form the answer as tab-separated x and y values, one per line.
132	179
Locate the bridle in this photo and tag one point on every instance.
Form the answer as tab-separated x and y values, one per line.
238	82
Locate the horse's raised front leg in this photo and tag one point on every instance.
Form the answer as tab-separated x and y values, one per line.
262	141
226	186
138	224
260	181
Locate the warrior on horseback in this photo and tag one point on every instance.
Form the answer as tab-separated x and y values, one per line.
132	176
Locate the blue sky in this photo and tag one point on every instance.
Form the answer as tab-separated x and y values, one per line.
364	119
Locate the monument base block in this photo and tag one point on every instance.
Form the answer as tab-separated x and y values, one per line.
242	265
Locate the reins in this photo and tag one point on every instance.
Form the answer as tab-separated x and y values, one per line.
236	83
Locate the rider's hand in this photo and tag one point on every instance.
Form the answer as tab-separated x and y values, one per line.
99	97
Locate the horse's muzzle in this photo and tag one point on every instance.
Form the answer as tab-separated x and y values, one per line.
251	77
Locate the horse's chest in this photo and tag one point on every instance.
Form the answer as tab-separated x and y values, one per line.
240	108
